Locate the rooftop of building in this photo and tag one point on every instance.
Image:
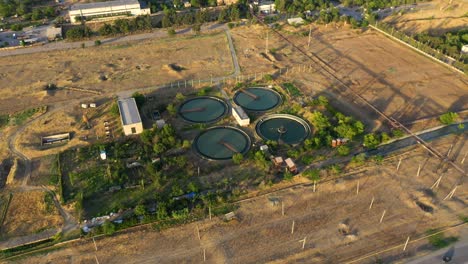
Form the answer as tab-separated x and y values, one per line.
105	4
129	111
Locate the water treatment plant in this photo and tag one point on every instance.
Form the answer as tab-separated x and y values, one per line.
283	128
257	99
221	143
203	109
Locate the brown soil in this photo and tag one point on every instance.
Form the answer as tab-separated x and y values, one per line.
29	214
124	66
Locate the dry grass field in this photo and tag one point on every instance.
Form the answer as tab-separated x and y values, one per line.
437	16
397	80
30	212
66	119
336	222
110	68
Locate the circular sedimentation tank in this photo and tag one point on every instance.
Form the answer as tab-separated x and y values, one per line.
203	109
221	143
257	99
283	128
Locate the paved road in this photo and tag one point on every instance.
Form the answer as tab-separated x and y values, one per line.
459	253
63	45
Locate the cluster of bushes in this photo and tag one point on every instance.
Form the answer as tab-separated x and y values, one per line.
376	4
122	26
78	32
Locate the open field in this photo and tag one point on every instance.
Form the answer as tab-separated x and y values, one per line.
30	213
437	17
395	79
110	68
337	222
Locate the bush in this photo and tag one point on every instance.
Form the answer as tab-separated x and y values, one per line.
343	150
171	32
371	141
77	33
97	42
237	158
108	228
448	118
439	240
397	133
312	174
268	77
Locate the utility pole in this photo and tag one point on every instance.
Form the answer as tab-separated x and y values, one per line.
406	243
371	203
266	46
419	170
357	188
310	36
292	228
383	214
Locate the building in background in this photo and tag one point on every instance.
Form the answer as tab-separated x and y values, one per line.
241	117
106	9
130	117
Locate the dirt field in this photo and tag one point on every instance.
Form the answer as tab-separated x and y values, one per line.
437	16
397	80
30	213
337	222
68	118
110	68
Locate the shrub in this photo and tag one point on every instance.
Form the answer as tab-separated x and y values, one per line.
237	158
371	141
97	42
439	240
448	118
171	32
268	77
108	228
312	174
397	133
343	150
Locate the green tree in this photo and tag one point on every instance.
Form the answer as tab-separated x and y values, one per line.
108	227
371	141
312	174
448	118
180	97
288	175
237	158
140	210
171	109
343	150
319	121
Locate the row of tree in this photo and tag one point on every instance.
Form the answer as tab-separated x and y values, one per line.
25	9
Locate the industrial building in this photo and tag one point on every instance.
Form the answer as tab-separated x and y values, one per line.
241	117
130	117
106	9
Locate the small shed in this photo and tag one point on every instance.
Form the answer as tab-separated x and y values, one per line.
229	216
295	21
278	161
54	33
291	165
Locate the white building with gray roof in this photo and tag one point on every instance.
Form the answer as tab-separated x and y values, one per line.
130	117
99	10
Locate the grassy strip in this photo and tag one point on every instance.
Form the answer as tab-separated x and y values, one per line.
5	210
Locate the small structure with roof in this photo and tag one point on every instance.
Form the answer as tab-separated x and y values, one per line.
241	117
130	117
291	165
